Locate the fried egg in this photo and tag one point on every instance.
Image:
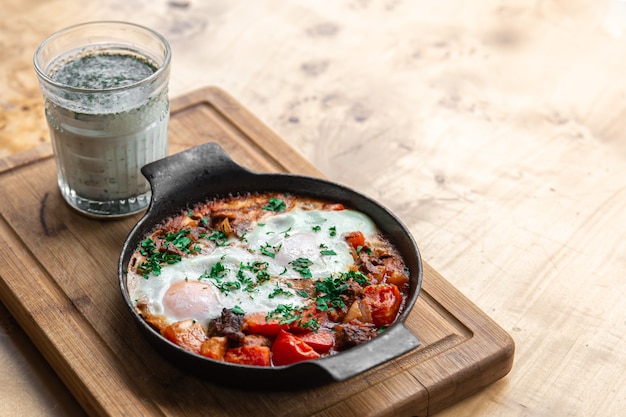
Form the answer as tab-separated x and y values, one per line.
254	272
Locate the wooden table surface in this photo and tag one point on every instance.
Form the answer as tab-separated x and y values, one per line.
494	129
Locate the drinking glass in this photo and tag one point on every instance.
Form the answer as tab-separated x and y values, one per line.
105	91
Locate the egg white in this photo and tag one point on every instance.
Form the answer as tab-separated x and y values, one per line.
274	242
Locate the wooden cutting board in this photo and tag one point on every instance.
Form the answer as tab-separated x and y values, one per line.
58	278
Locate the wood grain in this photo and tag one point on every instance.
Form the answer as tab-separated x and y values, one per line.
75	314
493	128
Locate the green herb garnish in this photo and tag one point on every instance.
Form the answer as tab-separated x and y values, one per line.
246	282
269	250
275	204
358	277
155	259
360	248
285	314
329	293
288	314
301	265
219	238
279	291
217	272
259	268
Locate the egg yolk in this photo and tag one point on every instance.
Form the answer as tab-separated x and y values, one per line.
189	299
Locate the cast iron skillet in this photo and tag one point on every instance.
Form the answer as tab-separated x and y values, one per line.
205	172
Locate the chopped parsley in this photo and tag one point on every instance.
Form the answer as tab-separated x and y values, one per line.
360	249
326	251
238	310
280	291
316	228
247	283
331	289
301	265
285	314
219	238
333	231
217	272
275	204
259	268
329	293
155	259
227	286
288	314
359	277
262	276
180	240
269	250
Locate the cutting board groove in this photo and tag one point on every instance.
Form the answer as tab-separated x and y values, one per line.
58	278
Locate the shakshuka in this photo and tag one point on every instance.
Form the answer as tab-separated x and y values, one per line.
268	279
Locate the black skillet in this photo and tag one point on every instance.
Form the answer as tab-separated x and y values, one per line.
206	171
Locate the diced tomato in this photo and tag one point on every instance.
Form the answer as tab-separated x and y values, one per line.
249	355
382	302
321	341
355	239
288	348
257	323
188	334
214	347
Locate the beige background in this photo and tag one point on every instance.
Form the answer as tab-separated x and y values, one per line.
494	129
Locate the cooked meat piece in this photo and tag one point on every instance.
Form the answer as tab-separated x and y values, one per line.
337	314
169	247
353	291
353	334
370	265
229	325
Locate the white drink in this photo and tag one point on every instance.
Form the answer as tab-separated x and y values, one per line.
108	112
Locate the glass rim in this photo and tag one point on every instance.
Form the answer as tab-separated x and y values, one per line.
162	68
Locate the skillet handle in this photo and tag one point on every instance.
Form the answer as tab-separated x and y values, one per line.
177	178
392	343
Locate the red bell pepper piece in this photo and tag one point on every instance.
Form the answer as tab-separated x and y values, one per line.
321	341
288	348
257	323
